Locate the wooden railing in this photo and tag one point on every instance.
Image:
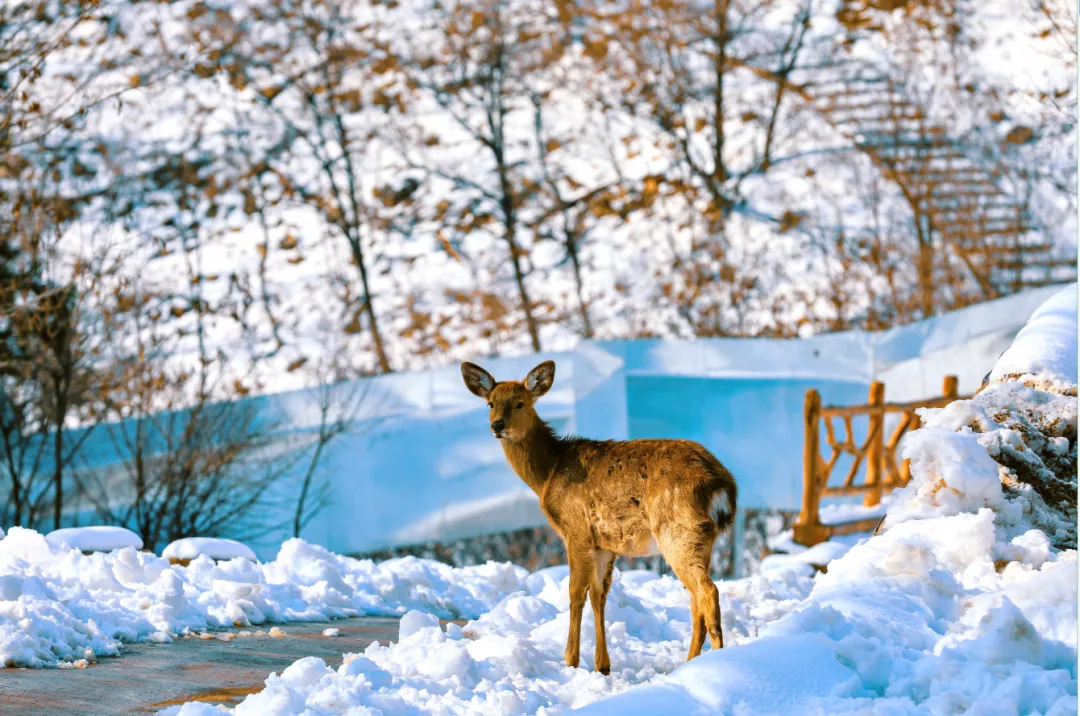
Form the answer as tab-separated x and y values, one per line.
883	471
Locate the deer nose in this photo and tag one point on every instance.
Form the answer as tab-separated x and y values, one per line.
498	426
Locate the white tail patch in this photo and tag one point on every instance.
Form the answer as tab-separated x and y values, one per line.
720	507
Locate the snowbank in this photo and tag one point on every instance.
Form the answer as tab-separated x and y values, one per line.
212	547
58	605
94	539
1045	349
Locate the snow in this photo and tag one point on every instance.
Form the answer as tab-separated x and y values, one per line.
767	676
100	538
58	605
805	560
510	660
839	513
212	547
1045	349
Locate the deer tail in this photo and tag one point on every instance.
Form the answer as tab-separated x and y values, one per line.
725	494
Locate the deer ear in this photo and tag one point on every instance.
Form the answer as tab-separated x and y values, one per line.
540	378
477	380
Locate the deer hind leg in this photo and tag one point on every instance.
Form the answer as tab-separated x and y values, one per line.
698	621
689	552
582	572
603	564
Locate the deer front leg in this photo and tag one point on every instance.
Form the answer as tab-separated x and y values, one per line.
603	564
581	573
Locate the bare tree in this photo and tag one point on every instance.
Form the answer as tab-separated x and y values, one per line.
339	403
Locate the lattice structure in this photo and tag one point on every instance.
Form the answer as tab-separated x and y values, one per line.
882	473
957	203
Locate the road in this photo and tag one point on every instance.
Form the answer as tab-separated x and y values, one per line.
149	677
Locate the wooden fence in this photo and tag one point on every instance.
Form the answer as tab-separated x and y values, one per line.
883	471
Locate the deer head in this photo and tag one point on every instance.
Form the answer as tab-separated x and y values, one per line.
510	403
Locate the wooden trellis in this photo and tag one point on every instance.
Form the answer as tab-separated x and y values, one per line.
882	472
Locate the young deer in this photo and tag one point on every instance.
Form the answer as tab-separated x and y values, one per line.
608	497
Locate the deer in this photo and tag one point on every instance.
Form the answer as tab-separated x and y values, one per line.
607	498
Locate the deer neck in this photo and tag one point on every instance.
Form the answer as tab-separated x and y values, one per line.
534	455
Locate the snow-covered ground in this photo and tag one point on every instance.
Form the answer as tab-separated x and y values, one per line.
964	603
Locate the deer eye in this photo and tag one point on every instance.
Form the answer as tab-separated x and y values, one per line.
520	406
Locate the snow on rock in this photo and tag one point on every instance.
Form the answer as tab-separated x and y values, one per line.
212	547
1012	448
58	605
1045	350
101	538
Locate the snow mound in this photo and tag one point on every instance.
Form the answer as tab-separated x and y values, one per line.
1011	448
95	539
58	605
1044	352
212	547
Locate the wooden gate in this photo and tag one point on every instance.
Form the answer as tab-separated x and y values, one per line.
883	471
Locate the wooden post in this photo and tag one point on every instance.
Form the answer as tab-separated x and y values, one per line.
875	452
950	387
808	531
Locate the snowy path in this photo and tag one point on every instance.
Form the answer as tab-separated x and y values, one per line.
148	677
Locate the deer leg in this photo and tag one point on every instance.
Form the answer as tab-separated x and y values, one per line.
603	564
581	573
689	553
709	606
698	621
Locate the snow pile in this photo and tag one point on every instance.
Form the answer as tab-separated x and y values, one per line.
1011	448
510	660
1044	352
212	547
94	539
58	605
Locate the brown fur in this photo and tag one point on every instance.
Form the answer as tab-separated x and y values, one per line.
609	497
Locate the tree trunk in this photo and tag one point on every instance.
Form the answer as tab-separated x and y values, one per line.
369	308
571	250
58	457
925	270
719	168
510	222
